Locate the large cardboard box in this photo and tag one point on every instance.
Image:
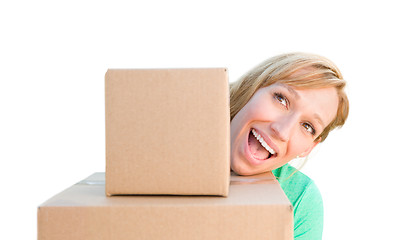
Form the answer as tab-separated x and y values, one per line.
256	208
167	131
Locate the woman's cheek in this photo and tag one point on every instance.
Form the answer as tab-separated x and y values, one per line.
299	146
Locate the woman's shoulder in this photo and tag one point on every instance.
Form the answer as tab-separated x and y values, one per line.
296	184
288	174
306	200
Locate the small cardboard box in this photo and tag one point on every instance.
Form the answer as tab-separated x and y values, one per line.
167	131
256	208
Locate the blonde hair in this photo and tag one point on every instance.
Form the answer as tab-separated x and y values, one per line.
318	72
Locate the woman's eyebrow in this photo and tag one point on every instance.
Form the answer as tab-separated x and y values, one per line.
291	91
319	120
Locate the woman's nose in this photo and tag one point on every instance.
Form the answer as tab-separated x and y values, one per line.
283	127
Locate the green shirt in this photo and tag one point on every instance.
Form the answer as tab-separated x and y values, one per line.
306	200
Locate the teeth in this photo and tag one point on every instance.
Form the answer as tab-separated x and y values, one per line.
263	143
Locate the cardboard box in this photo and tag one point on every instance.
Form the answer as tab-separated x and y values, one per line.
256	208
167	131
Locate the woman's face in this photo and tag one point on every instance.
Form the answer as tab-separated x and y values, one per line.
279	123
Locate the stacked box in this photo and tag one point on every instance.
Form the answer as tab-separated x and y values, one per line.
167	136
256	208
167	131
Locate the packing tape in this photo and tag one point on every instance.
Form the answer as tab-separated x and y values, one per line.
234	180
239	180
91	182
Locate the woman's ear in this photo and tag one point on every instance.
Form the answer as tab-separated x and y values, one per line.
307	152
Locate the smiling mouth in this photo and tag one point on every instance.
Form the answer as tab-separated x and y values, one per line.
258	147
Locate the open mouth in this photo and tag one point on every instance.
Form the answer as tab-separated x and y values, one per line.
258	147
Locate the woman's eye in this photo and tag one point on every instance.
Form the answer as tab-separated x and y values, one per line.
281	99
309	128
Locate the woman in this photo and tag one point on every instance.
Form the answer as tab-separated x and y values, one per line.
281	110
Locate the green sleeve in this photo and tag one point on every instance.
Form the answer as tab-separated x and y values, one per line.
306	200
308	215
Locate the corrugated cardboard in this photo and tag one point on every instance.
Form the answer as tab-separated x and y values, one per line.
256	208
167	131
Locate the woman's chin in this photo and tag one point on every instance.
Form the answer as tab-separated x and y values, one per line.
245	170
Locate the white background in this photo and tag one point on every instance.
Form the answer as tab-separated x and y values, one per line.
53	57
